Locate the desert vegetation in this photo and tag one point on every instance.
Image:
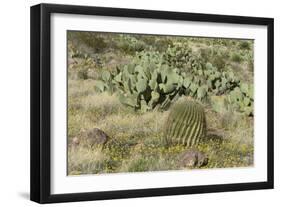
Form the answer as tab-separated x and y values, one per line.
151	103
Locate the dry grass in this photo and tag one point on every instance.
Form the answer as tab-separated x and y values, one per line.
85	160
136	139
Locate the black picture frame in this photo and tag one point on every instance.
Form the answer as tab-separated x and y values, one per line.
41	99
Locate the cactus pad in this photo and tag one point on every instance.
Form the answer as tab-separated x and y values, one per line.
186	124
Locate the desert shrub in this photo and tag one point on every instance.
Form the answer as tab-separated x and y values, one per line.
129	44
180	55
219	62
251	66
249	59
156	43
93	40
82	74
236	57
82	65
217	56
245	45
205	53
161	44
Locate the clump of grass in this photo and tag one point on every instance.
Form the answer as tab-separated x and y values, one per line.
139	164
86	161
152	158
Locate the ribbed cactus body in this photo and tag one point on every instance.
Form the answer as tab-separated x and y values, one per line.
186	124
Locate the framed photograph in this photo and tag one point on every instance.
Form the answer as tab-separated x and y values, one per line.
132	103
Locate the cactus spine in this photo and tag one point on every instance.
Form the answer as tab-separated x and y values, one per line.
186	124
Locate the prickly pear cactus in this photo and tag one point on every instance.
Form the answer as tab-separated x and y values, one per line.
150	81
186	124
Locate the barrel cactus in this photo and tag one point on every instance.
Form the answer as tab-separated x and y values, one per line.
186	124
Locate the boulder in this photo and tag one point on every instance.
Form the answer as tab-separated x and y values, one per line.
193	159
95	136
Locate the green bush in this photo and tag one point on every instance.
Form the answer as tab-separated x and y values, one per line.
244	45
236	57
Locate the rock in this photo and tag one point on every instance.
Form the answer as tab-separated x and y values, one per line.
96	136
193	158
75	142
71	61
